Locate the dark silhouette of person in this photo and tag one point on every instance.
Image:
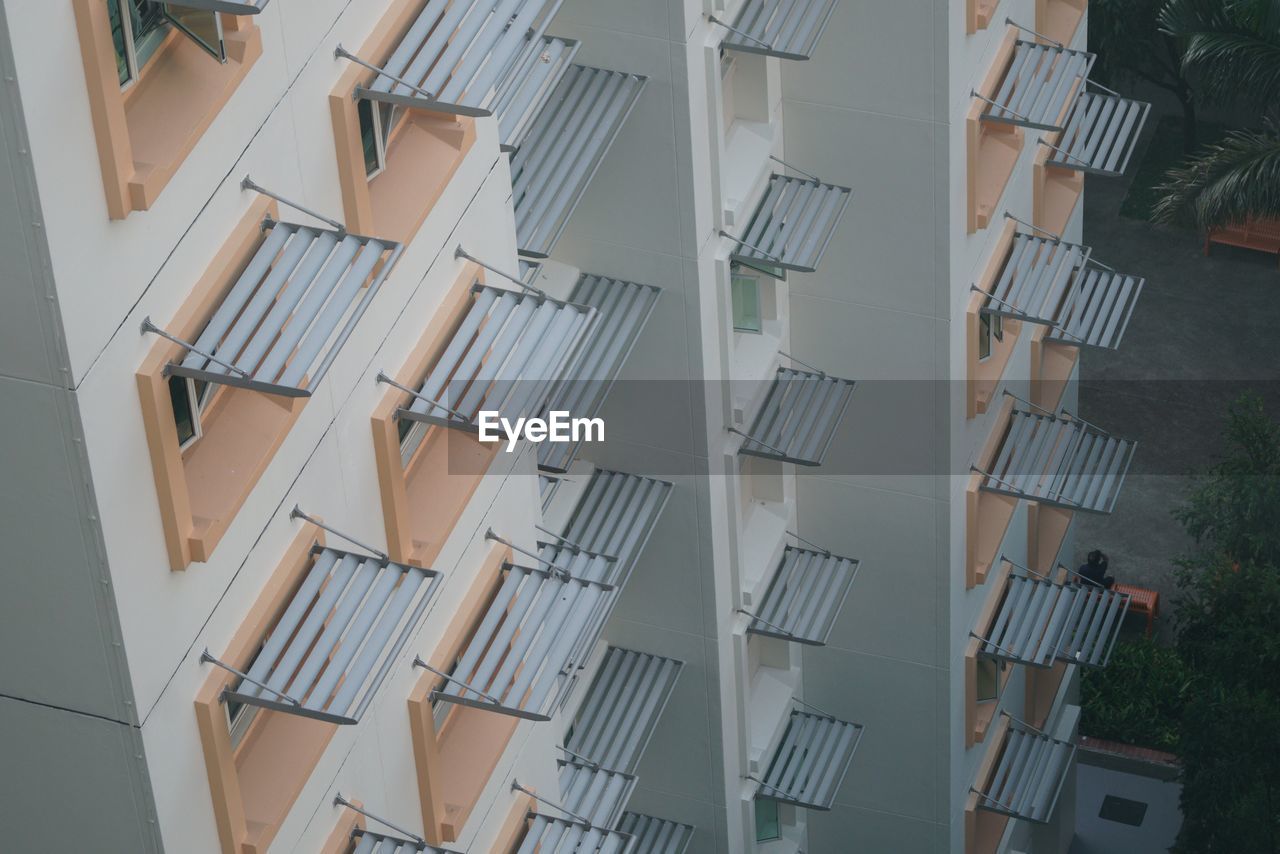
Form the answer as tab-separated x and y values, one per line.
1094	570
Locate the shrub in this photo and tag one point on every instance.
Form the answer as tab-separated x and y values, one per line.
1137	698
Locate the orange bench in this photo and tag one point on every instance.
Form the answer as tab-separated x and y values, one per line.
1260	234
1141	601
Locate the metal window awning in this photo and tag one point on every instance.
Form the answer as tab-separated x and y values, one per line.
805	596
1060	461
799	417
622	708
656	835
282	323
338	637
1028	776
228	7
811	761
1041	621
564	147
1101	133
594	792
520	656
1039	85
458	55
534	78
371	842
547	835
1048	281
505	355
793	224
623	310
787	29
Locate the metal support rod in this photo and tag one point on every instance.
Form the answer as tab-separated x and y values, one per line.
296	513
822	712
713	19
342	53
590	763
1057	238
1098	85
339	801
821	372
208	658
1023	723
741	242
990	642
808	175
998	480
774	626
248	184
418	662
1032	405
462	253
516	787
751	438
565	575
1011	22
148	326
384	378
1063	152
576	547
1006	303
981	97
810	543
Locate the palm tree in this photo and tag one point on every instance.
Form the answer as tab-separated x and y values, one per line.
1232	49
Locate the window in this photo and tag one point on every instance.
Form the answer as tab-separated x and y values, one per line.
190	399
371	138
989	681
745	296
768	826
990	326
779	273
139	28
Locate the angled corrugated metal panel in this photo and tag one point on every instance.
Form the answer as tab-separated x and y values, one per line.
520	655
1101	133
811	761
565	145
1041	621
805	596
338	637
505	355
1060	461
621	710
793	223
787	29
461	52
594	792
536	74
1039	85
1050	281
229	7
799	417
371	842
546	835
284	320
1028	777
623	310
656	835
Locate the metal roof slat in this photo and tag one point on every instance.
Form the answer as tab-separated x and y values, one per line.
324	629
484	301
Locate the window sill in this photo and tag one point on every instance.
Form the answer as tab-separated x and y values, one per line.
979	14
1052	366
1054	194
1060	19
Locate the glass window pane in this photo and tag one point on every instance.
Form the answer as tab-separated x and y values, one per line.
761	267
988	680
149	29
984	335
118	41
369	137
200	26
745	296
184	417
767	824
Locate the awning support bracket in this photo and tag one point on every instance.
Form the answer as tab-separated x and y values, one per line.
741	242
339	801
418	662
825	552
808	175
713	19
463	253
383	377
821	373
296	513
207	658
1012	23
577	548
751	438
773	626
149	326
342	53
248	184
516	787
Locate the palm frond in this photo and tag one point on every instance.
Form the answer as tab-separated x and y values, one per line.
1232	47
1230	182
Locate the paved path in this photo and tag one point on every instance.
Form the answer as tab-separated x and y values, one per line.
1204	331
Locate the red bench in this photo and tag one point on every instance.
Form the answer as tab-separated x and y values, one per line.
1141	601
1260	234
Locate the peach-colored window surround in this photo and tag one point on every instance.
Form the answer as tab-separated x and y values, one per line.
454	763
979	715
513	829
983	829
422	501
987	514
992	148
201	489
984	375
1052	364
339	841
1046	530
1059	19
978	14
424	150
254	784
145	133
1054	191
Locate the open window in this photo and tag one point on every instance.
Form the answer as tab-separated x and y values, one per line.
798	418
231	371
810	762
158	74
787	29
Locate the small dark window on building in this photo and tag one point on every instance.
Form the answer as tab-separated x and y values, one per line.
186	409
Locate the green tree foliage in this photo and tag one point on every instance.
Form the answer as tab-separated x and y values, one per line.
1138	697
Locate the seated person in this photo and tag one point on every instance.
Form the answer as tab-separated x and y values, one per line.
1094	570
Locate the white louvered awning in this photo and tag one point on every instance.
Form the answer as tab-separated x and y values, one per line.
811	761
534	78
656	835
546	835
520	656
1101	133
805	596
798	418
1049	281
793	223
1041	621
504	356
787	29
464	56
623	310
1060	461
333	645
370	842
1028	776
564	147
622	708
281	325
228	7
594	792
1039	86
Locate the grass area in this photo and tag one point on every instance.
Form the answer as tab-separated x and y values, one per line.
1164	152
